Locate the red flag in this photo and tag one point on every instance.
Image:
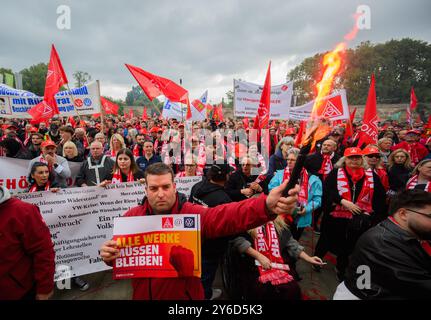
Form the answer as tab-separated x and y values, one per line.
72	121
131	114
155	86
413	100
108	106
209	110
368	132
262	118
189	111
245	122
302	127
220	112
144	114
55	78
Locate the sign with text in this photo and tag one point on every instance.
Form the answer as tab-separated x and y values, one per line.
81	219
247	97
160	246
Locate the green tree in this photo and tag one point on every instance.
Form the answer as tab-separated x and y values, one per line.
3	72
34	77
397	64
81	78
136	97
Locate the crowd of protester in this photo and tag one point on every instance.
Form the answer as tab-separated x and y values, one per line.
360	199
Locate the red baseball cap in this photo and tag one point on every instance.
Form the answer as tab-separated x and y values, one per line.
349	152
155	130
370	150
48	143
143	131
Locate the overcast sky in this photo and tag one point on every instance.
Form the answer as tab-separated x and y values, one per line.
206	43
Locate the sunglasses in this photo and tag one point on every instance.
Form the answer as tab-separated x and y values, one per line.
374	156
421	213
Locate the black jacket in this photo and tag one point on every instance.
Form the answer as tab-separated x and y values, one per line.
331	195
398	176
400	268
237	181
210	195
314	161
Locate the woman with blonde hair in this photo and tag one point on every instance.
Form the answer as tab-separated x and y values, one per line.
399	169
116	144
70	152
421	176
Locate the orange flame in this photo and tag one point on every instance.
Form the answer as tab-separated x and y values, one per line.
331	63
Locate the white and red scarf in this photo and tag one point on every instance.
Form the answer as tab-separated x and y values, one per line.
364	199
327	166
118	179
33	188
411	184
303	192
136	150
268	245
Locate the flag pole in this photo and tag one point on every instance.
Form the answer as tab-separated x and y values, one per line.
76	109
102	110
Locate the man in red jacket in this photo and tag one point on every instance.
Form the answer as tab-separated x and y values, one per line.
416	150
27	255
220	221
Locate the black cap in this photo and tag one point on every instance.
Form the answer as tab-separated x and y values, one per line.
218	172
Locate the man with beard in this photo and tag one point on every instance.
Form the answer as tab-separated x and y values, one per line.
138	149
393	259
36	140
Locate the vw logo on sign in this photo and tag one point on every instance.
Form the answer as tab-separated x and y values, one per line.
189	222
87	102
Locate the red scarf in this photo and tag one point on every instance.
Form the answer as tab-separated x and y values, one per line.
118	179
364	199
411	184
327	166
269	246
33	188
303	192
412	150
136	150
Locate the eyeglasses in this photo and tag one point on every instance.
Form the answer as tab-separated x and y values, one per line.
373	156
421	213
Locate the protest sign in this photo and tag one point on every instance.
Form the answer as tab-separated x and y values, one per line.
247	97
334	107
150	245
15	103
185	184
80	220
174	110
14	174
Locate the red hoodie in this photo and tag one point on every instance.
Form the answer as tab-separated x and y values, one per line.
220	221
26	251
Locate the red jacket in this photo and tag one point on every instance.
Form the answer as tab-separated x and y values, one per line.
26	251
223	220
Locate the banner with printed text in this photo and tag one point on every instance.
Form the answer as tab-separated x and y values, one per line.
15	103
156	246
334	107
247	97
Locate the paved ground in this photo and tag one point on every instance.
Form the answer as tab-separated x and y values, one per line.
315	286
